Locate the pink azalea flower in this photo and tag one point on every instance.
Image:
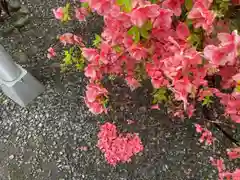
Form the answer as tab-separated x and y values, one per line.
219	163
233	153
182	31
132	83
227	38
101	6
51	53
202	17
138	52
78	40
94	93
67	38
89	53
190	110
226	52
199	128
90	72
81	13
174	5
219	56
164	20
206	3
58	13
140	15
95	107
236	77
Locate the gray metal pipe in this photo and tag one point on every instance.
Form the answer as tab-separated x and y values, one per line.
9	71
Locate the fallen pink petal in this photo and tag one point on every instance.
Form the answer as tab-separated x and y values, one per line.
156	106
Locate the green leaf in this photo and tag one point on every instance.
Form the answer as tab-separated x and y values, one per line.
85	4
237	88
147	25
66	16
120	2
137	37
153	1
126	5
188	4
97	40
80	66
134	32
117	48
160	95
207	101
194	39
144	33
68	56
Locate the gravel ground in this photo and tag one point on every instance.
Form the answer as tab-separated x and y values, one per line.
41	142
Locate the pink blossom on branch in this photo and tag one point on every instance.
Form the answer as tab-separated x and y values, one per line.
140	15
202	16
94	98
174	5
51	53
59	13
81	13
69	38
233	153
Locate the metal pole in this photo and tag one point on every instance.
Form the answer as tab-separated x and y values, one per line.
9	71
16	82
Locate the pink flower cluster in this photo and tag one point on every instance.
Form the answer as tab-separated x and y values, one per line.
69	38
233	153
81	13
227	51
231	103
118	147
59	13
95	96
222	173
173	59
201	15
163	49
206	135
51	53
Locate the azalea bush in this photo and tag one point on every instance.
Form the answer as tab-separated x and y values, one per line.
188	49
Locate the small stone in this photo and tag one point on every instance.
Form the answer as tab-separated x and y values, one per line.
21	57
21	22
24	10
143	109
14	5
11	156
121	108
